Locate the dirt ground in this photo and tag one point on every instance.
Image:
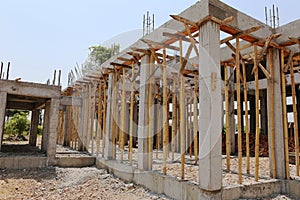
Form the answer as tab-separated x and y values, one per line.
72	183
68	183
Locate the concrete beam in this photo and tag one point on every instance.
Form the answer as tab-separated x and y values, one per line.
30	89
70	101
210	99
2	114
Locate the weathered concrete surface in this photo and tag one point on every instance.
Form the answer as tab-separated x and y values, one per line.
211	106
278	121
177	189
85	161
30	89
23	162
143	130
2	114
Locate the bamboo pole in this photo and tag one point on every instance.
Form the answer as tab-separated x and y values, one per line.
89	116
165	113
195	120
158	135
228	131
285	121
246	116
85	118
296	137
123	105
104	118
174	117
182	119
131	114
99	127
271	116
151	113
257	131
238	90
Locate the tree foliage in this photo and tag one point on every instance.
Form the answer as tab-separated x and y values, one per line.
17	125
98	55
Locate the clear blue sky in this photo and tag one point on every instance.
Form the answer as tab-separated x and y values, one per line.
38	36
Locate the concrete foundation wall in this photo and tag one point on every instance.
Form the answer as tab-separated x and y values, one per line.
23	162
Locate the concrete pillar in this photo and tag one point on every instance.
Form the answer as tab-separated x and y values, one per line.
210	124
135	124
46	126
109	150
252	114
263	112
231	111
143	155
2	114
34	127
66	128
52	130
279	142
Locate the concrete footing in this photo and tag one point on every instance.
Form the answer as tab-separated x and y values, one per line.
177	189
23	162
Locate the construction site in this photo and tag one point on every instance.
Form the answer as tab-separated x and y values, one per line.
217	119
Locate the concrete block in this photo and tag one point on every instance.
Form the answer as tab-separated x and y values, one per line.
229	193
261	190
75	161
293	188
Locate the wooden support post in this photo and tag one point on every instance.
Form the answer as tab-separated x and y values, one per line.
158	134
190	127
174	117
285	121
228	131
257	131
246	117
239	114
123	107
296	136
272	113
104	118
99	127
131	115
165	113
114	114
151	112
195	117
93	118
182	119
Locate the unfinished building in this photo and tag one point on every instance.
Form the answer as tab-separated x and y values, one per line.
158	118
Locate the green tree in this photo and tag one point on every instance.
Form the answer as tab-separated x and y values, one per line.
98	55
17	125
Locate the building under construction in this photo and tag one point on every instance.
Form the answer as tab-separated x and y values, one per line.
182	111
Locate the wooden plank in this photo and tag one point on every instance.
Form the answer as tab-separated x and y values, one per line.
296	135
184	20
257	130
228	131
187	56
192	39
266	73
158	44
285	121
177	36
242	33
289	62
239	115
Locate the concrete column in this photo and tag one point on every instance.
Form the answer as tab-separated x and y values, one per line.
2	114
46	126
34	127
231	111
210	124
263	112
143	155
66	128
135	124
279	142
252	114
109	150
52	130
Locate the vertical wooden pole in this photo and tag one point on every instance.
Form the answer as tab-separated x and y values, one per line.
174	117
165	113
246	116
123	102
296	137
99	127
114	121
182	119
131	114
190	127
195	120
257	131
228	131
238	90
285	121
104	117
271	116
158	134
151	112
93	118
